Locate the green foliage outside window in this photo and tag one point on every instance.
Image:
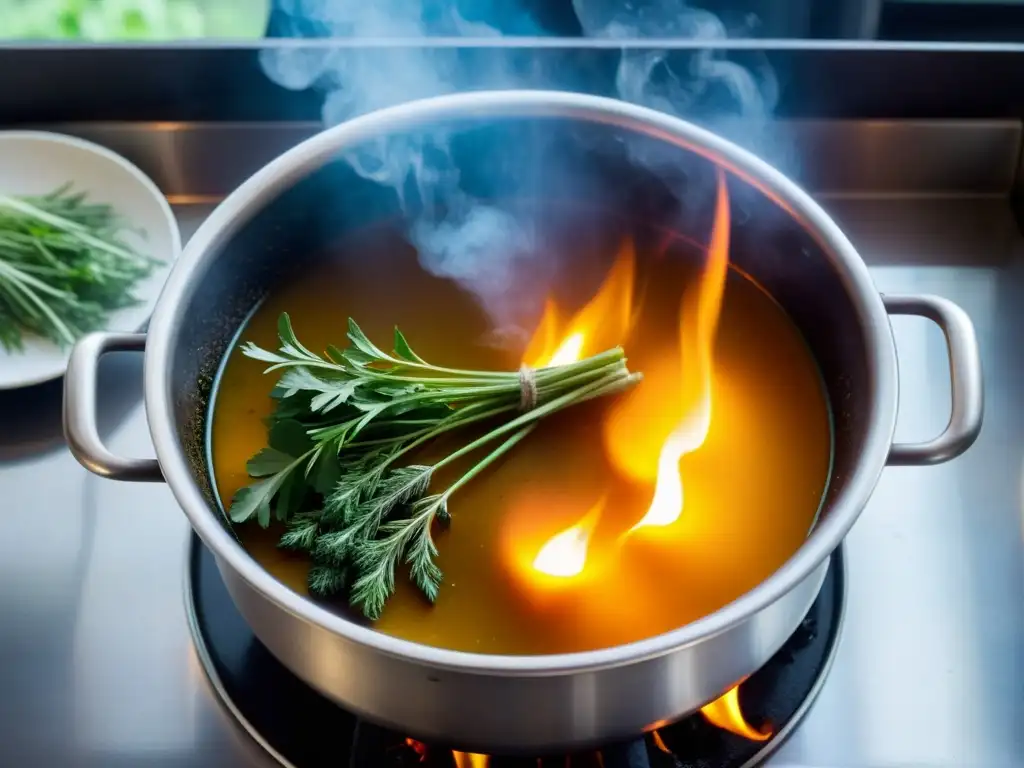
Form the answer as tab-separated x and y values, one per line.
131	20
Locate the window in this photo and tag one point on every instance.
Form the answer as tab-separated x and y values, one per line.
132	20
953	20
169	20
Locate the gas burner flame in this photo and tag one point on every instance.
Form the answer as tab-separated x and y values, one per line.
462	759
418	747
470	760
660	742
725	713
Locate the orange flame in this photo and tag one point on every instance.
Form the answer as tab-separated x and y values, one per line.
697	336
565	553
544	344
725	712
418	747
603	323
470	760
660	743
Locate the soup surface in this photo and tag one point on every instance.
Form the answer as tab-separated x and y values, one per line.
752	490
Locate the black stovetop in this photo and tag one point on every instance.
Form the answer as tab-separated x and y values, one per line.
301	728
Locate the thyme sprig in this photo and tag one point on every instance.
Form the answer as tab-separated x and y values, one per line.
344	427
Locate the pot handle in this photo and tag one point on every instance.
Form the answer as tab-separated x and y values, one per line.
80	429
968	398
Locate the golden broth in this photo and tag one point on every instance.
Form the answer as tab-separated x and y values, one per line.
751	491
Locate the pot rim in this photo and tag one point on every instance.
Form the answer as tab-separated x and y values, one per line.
256	192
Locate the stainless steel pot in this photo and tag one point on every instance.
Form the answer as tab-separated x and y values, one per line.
796	251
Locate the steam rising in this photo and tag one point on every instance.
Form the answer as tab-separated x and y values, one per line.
647	77
482	247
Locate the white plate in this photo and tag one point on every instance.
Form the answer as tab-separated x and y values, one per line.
36	162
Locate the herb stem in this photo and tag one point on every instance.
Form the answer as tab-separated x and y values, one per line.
376	513
583	377
463	376
449	426
63	267
59	222
489	459
584	393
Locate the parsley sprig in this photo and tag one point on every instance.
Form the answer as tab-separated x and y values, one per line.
344	428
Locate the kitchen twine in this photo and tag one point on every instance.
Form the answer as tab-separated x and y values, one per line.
527	388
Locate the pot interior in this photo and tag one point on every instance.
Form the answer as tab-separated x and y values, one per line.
576	188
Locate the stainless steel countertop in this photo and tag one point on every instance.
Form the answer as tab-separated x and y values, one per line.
97	666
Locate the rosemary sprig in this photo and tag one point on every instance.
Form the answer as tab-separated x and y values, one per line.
377	558
63	267
343	427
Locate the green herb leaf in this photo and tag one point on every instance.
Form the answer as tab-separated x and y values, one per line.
327	580
331	399
256	353
63	267
357	357
255	500
290	496
348	491
404	351
326	473
377	559
301	533
332	392
335	355
336	547
289	436
376	562
298	379
424	572
400	486
295	406
269	461
289	343
362	343
348	419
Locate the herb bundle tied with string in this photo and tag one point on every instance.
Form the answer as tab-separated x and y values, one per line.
346	426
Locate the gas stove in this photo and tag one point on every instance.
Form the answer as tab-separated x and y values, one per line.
299	728
98	666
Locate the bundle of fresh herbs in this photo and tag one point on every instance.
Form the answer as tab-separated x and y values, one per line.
344	428
63	267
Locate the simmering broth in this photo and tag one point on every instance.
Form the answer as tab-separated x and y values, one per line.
751	491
